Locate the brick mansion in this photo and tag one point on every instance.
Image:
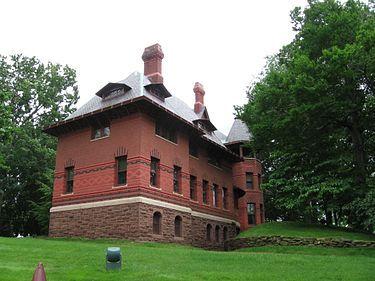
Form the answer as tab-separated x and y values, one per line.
137	163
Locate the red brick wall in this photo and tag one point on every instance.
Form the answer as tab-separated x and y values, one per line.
254	195
94	180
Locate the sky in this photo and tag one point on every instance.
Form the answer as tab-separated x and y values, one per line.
221	44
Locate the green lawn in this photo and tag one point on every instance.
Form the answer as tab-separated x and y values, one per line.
296	229
68	260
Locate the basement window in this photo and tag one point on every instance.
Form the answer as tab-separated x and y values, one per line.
156	223
178	226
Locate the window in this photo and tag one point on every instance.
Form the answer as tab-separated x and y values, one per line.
225	198
156	223
235	199
251	213
154	171
261	214
100	131
214	159
193	149
176	179
217	233
121	165
208	232
249	180
69	179
178	226
259	180
205	191
225	233
193	187
166	132
215	191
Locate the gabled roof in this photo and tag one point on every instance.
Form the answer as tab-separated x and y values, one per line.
239	132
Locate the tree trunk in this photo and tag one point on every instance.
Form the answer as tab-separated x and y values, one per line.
359	155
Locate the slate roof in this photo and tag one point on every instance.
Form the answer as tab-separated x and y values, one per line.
134	87
239	132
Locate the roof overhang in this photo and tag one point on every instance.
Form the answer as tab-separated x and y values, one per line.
143	104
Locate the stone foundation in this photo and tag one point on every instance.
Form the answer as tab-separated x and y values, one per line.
135	222
235	244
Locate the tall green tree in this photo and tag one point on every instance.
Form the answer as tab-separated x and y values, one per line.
32	95
312	114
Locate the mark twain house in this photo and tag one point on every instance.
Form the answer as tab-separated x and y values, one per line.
137	163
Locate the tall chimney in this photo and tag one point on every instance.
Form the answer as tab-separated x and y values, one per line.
152	57
199	97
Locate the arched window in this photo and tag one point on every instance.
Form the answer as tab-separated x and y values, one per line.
217	233
225	233
208	233
156	223
178	226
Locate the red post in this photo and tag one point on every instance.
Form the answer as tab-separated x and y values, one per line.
39	274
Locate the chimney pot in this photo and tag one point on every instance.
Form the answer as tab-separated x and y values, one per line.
152	57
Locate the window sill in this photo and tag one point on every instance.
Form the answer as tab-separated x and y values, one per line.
155	187
195	201
99	138
67	194
166	139
179	238
194	157
119	186
177	193
212	165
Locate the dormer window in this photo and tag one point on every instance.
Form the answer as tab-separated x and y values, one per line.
100	131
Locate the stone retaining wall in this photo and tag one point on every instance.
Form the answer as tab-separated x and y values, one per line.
257	241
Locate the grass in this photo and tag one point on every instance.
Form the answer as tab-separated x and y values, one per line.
83	260
296	229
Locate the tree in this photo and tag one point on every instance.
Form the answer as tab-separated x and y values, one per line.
32	95
312	116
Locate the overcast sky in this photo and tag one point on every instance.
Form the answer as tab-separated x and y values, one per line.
221	44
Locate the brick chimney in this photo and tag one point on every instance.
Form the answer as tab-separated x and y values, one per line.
199	97
152	57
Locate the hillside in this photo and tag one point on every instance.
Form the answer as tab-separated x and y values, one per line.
296	229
